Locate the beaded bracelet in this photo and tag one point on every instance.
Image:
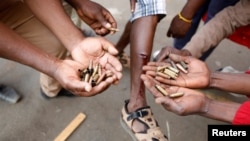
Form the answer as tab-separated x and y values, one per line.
184	19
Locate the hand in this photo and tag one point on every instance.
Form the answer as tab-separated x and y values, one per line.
192	102
165	51
68	76
178	28
99	51
97	17
198	75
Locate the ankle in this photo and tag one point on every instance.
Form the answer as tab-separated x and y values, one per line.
133	106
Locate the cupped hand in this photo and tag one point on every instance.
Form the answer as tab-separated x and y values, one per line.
192	102
98	50
68	76
198	75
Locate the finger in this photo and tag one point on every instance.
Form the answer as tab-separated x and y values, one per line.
117	74
110	23
102	86
102	31
149	68
115	63
113	74
156	64
169	104
151	73
173	82
164	53
109	47
169	33
177	58
150	84
163	100
132	5
165	80
79	86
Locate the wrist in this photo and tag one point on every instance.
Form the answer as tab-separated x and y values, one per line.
73	40
215	108
186	20
54	68
214	76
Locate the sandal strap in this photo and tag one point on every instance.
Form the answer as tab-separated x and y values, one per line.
137	114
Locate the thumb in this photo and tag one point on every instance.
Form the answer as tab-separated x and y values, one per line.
109	47
169	33
80	86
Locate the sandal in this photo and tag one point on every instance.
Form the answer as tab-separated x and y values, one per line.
124	59
144	115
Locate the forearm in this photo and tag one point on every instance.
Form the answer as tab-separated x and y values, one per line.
221	110
13	47
219	27
232	82
52	14
75	3
191	7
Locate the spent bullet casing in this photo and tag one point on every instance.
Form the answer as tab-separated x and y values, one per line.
173	64
170	73
161	90
179	66
184	65
101	78
161	68
163	75
173	69
178	94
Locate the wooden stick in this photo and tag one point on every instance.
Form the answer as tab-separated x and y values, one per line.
71	127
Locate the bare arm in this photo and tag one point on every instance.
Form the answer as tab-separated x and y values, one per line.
221	110
232	82
13	47
82	49
178	27
52	14
193	102
191	7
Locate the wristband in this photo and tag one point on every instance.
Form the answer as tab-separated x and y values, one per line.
183	18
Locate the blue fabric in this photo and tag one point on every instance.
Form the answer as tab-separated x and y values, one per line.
211	7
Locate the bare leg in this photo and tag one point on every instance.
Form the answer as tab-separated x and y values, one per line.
141	42
124	39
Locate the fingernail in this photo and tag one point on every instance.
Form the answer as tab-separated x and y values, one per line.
108	25
88	88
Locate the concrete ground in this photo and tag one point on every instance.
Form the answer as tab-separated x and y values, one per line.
38	119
